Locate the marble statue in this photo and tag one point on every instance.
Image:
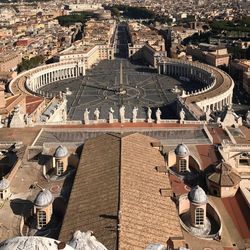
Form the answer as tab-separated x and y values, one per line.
28	120
17	120
97	114
248	117
182	116
208	115
158	115
111	115
86	116
1	124
135	110
149	113
122	114
85	241
64	96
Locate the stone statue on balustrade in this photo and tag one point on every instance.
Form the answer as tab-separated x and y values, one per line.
17	120
208	112
135	110
97	114
86	116
28	120
1	124
122	114
149	113
158	115
248	117
111	115
182	115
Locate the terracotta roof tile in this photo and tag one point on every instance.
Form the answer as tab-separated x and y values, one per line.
117	181
224	175
207	155
93	203
146	216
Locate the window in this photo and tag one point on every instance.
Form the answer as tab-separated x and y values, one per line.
199	216
243	162
41	219
182	165
59	168
1	195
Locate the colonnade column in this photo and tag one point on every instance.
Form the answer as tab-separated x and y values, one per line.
159	69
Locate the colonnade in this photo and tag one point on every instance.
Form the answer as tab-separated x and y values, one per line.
219	85
197	72
54	72
218	105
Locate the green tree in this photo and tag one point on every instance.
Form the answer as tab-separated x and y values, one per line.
115	11
31	63
75	17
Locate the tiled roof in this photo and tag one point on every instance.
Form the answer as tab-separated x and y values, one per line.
224	176
207	155
117	181
32	102
145	216
93	203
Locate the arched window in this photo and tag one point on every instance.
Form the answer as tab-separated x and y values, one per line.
182	165
199	216
41	219
59	168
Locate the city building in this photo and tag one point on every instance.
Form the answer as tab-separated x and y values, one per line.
210	54
240	69
9	61
145	43
115	145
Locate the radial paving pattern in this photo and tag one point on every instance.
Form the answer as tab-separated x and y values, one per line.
100	89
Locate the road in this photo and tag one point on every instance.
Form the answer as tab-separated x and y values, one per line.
121	41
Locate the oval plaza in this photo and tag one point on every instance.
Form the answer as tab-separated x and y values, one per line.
203	87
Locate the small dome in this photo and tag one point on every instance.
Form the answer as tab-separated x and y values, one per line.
156	246
33	242
181	150
44	198
85	241
61	152
197	195
4	184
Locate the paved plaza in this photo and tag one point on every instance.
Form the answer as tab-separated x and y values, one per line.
100	86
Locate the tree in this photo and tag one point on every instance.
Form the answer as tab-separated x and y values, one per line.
75	17
27	64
